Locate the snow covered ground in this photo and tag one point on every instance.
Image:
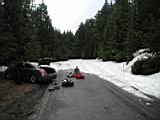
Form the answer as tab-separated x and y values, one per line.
117	73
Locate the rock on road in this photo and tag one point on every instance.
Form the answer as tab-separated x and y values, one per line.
91	99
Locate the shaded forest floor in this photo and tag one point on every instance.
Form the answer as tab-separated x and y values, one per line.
17	102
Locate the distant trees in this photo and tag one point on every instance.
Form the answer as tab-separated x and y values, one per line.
6	36
17	27
87	40
26	33
122	28
66	46
118	30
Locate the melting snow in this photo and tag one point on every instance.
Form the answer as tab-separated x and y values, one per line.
117	73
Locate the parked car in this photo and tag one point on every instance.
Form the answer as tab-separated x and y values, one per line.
25	71
46	61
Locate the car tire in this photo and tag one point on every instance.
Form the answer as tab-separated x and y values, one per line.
33	79
63	85
72	84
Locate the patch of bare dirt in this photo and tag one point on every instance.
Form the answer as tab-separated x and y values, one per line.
17	102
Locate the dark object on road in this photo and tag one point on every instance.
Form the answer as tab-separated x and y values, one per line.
25	71
67	82
46	61
53	87
78	75
70	75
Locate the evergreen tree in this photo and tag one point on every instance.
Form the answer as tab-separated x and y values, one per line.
90	43
71	44
118	30
6	36
32	46
44	30
86	37
104	33
80	38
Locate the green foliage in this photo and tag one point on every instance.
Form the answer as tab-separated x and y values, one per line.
87	39
152	33
120	29
107	55
6	36
26	33
32	50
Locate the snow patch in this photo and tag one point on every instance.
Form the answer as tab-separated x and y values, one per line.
141	51
138	56
3	68
117	73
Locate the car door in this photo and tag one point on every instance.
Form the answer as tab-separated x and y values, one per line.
28	71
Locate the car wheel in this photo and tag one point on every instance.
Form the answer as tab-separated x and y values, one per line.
72	84
33	79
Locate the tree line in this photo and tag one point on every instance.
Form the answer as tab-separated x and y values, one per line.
117	30
26	33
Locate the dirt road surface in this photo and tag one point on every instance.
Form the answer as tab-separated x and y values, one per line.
17	102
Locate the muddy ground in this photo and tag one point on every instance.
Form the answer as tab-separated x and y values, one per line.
17	102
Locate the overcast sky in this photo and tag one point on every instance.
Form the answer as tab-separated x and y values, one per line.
67	14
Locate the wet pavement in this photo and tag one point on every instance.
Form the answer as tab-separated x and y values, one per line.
92	99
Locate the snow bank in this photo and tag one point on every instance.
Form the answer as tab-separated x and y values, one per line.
3	68
141	51
117	73
141	54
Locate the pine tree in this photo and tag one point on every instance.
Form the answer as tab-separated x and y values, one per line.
44	30
80	38
6	36
104	33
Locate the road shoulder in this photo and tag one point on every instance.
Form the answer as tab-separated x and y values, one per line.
17	102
